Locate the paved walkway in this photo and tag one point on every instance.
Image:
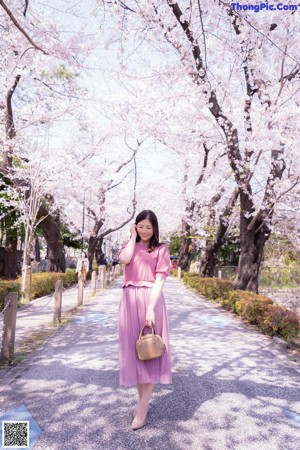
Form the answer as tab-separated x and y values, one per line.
231	389
38	314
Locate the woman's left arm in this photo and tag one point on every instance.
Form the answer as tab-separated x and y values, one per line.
161	273
155	294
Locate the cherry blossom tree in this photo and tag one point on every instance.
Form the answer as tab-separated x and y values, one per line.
253	98
30	42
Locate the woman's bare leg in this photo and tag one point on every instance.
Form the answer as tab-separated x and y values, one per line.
140	393
142	408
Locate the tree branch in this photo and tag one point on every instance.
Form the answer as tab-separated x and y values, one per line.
10	126
111	230
281	76
276	171
21	29
202	27
25	8
125	7
205	161
119	182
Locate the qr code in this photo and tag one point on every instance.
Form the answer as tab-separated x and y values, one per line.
15	434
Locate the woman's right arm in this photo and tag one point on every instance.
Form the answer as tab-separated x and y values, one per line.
127	252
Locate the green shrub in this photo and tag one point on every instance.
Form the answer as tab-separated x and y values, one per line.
69	278
215	288
174	272
252	307
212	288
228	301
188	275
232	297
44	283
194	282
280	321
6	287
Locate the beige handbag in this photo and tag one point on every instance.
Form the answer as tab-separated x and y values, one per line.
149	346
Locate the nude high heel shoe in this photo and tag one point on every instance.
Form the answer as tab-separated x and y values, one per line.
137	425
134	412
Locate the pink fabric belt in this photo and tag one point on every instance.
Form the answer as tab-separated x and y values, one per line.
139	283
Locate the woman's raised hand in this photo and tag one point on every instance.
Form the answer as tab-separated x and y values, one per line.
133	232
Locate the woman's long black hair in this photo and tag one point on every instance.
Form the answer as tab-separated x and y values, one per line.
148	214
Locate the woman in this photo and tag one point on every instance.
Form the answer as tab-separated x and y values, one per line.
82	267
142	303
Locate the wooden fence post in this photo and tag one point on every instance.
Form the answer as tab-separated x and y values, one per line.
57	301
80	291
108	273
9	330
101	271
93	282
179	273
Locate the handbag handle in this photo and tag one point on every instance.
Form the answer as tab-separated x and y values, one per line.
147	326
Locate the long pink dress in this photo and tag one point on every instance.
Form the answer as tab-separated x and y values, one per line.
140	276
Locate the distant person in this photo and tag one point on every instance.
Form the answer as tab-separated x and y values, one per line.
147	265
115	262
174	264
82	267
102	261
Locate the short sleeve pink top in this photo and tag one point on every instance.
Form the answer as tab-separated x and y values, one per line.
144	267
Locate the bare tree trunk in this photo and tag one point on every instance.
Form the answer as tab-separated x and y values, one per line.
93	242
10	256
253	236
187	248
94	238
252	246
209	259
255	229
37	250
10	261
98	251
50	227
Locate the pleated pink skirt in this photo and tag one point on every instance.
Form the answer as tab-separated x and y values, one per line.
132	314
